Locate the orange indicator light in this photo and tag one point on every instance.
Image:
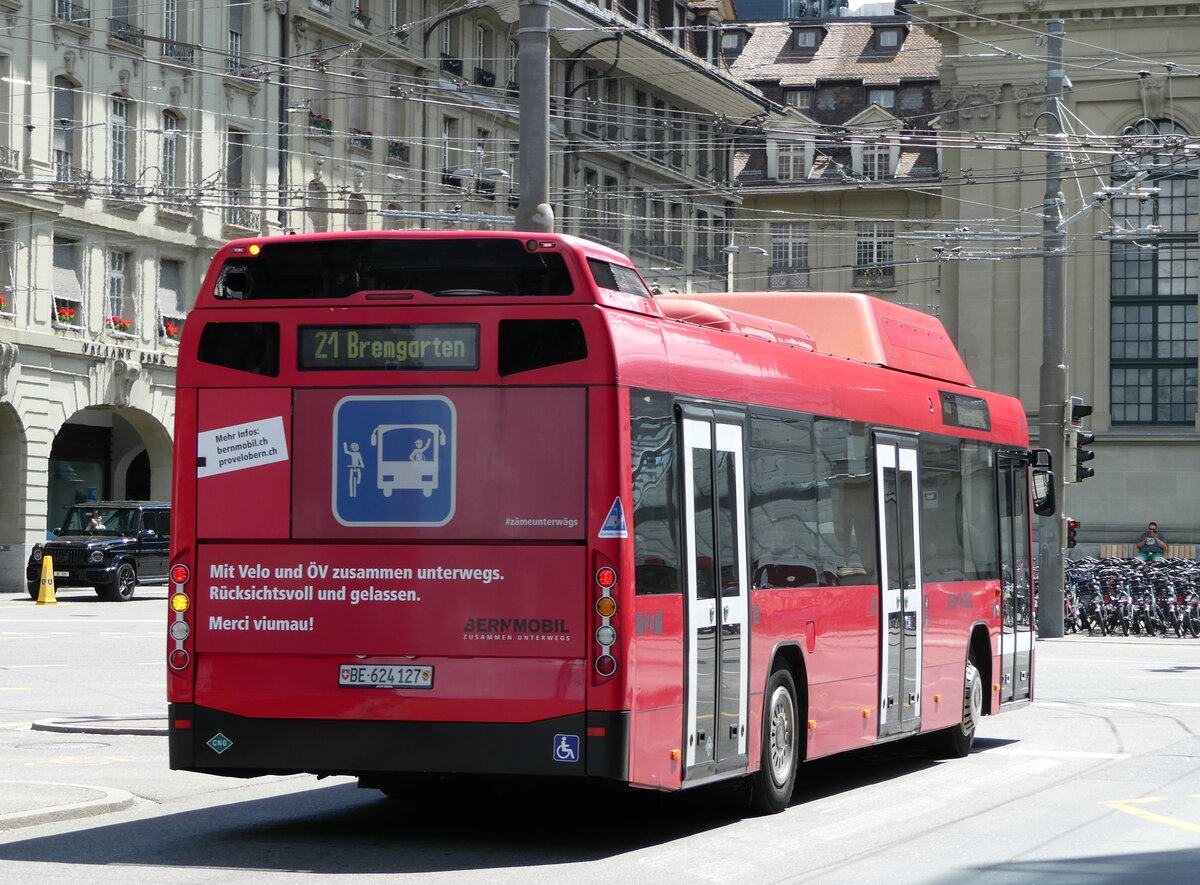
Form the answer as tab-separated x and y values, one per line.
179	602
606	606
254	249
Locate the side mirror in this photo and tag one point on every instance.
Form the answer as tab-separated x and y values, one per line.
147	535
1042	479
56	532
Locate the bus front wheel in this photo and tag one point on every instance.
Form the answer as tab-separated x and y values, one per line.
771	786
956	741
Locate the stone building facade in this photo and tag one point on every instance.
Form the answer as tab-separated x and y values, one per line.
136	137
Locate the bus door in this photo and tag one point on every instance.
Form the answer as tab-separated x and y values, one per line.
715	557
1016	580
901	593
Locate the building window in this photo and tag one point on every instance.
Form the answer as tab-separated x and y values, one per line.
679	24
397	18
8	304
512	77
67	290
641	120
233	54
236	182
169	161
885	98
591	102
65	127
658	148
679	138
789	256
887	38
450	146
173	302
1154	283
118	133
614	110
800	99
874	250
118	309
877	161
791	161
807	38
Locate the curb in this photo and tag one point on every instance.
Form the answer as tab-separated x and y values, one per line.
108	801
145	724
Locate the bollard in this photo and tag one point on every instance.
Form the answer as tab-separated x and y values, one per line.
46	586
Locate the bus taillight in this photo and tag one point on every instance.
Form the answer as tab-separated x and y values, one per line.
606	607
179	629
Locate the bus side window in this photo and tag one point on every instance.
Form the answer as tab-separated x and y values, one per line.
246	347
656	504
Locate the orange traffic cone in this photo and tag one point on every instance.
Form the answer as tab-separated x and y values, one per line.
46	586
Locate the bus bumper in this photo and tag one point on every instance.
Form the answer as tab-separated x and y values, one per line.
593	744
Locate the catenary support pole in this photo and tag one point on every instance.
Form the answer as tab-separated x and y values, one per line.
533	67
1053	386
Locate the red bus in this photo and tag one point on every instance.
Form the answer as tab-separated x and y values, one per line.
472	505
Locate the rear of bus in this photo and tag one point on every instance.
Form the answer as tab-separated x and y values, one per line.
388	555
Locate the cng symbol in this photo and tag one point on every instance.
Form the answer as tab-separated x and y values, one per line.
394	460
218	743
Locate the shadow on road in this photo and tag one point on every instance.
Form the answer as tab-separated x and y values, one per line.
342	829
1108	869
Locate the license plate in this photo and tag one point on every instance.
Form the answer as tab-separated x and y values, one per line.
385	676
62	574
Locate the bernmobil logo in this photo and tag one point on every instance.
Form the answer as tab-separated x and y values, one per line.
517	629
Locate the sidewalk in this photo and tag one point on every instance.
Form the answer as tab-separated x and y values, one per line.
31	803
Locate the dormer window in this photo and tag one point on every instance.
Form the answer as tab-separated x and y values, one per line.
884	97
808	39
800	99
733	41
888	39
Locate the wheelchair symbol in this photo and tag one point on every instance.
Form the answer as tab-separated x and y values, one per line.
566	748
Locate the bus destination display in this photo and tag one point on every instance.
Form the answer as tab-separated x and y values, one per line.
429	346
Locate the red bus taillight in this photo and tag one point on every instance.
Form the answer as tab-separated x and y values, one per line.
606	632
179	630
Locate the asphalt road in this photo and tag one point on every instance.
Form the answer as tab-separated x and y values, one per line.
1096	782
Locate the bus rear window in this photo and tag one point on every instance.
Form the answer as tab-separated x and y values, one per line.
536	344
303	269
617	277
246	347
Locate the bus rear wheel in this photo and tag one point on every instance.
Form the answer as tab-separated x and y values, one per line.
771	786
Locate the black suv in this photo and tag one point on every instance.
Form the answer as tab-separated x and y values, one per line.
111	545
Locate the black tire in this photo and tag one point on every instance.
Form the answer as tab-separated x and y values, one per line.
782	744
123	584
956	742
1194	624
35	589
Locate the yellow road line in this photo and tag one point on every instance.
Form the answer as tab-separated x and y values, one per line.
1129	806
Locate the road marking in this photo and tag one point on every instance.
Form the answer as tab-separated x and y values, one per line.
1128	705
1054	754
8	688
14	724
29	666
1129	806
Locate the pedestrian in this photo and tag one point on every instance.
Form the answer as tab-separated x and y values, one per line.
1151	546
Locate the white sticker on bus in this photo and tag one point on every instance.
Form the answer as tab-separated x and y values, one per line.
240	446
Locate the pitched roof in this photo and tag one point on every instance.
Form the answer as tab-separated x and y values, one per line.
845	53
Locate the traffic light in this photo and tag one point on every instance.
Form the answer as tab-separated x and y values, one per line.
1072	531
1077	442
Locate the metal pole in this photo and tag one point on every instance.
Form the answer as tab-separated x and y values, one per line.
285	62
533	32
1053	391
